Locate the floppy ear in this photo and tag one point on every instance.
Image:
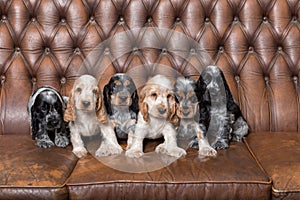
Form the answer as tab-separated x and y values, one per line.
107	98
70	115
173	118
230	103
204	101
135	102
100	109
143	107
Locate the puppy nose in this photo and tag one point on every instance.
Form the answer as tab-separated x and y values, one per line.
86	103
162	110
123	98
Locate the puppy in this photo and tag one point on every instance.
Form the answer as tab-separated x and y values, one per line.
121	102
87	116
189	129
46	107
156	118
219	114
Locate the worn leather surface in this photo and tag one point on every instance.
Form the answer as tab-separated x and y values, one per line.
255	42
30	172
233	174
278	154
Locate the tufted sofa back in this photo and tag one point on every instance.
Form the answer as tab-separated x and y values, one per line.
52	42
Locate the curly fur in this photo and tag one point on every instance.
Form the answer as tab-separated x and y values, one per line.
46	109
87	116
156	118
121	102
220	116
189	130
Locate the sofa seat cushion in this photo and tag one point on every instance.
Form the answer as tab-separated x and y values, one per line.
30	172
279	155
233	174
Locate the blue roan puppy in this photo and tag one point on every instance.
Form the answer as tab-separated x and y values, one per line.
46	110
190	132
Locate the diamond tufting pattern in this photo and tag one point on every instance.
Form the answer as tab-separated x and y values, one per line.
52	42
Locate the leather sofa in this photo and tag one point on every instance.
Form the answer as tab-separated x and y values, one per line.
254	42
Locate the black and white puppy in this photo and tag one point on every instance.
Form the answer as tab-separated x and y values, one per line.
121	102
190	133
219	114
46	110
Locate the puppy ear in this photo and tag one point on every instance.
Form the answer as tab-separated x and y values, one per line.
143	107
100	109
135	102
70	115
107	99
173	118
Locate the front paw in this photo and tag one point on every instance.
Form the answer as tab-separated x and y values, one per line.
45	143
108	149
174	151
80	152
207	151
61	141
133	153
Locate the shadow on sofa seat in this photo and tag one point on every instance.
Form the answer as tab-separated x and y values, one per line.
233	174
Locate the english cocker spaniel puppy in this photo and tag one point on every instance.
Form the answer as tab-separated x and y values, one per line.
121	102
46	109
190	132
87	116
156	118
219	114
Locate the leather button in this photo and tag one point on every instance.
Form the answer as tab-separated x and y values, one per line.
63	80
33	79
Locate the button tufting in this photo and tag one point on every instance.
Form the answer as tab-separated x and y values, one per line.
295	79
3	79
280	48
17	49
106	51
178	19
221	49
206	19
295	18
150	20
3	17
251	49
33	79
92	19
63	20
192	51
77	50
236	19
33	19
47	50
135	49
265	19
237	78
164	50
63	80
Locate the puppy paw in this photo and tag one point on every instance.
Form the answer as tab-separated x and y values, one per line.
207	151
132	153
174	151
108	149
80	152
222	144
45	143
61	141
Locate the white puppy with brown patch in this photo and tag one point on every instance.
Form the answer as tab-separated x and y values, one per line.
156	118
87	116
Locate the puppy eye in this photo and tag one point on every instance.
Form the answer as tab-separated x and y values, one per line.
154	95
78	89
169	96
194	99
94	91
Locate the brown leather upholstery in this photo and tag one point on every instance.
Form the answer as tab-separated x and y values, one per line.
255	42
